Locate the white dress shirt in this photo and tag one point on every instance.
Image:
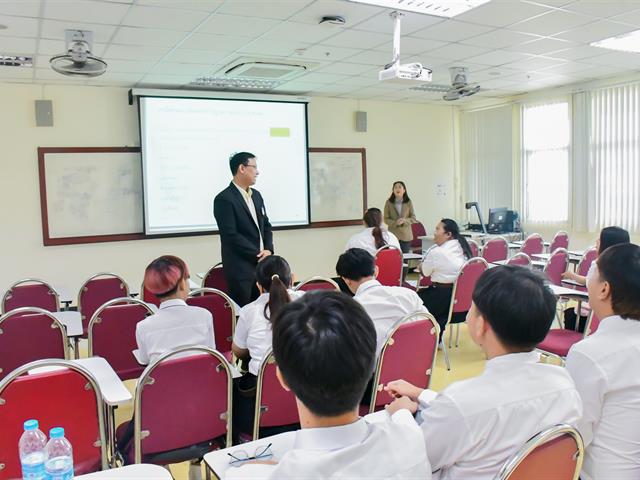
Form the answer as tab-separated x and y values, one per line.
606	369
474	426
176	324
253	330
386	305
361	450
443	262
246	194
365	240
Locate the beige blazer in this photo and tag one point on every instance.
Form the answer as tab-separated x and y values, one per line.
403	232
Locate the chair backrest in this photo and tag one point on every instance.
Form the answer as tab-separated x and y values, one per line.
224	314
112	334
588	257
69	397
389	263
195	385
149	297
560	240
409	352
556	452
418	230
215	278
521	259
97	290
423	282
495	250
464	285
28	334
557	265
593	322
533	245
30	292
475	248
317	283
275	406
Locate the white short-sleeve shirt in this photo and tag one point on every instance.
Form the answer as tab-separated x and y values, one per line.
443	262
365	240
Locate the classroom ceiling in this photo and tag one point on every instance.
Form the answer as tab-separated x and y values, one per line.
509	46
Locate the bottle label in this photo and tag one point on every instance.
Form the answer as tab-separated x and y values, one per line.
33	471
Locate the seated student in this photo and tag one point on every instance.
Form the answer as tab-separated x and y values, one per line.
252	336
442	263
324	344
385	305
374	236
606	368
609	236
474	426
176	324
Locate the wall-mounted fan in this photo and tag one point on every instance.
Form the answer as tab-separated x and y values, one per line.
78	61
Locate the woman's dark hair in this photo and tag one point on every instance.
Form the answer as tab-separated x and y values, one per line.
610	236
274	276
405	197
373	218
620	266
450	226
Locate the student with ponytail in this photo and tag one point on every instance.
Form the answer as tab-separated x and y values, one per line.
375	236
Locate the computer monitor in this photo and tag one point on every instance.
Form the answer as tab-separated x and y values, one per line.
497	219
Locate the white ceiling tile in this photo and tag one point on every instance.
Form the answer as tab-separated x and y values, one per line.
327	52
542	46
321	77
527	77
172	68
595	31
49	74
551	23
353	13
412	46
21	8
631	18
238	26
578	53
310	33
332	89
497	57
164	79
115	77
569	68
55	29
298	86
535	63
282	9
363	80
602	8
16	72
126	52
147	36
51	47
370	57
411	22
18	26
184	55
492	73
168	18
343	68
86	11
129	66
600	71
359	39
278	48
611	58
500	13
500	39
18	46
457	51
550	3
217	43
204	5
452	31
498	83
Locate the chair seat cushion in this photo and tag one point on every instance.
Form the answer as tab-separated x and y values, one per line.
559	341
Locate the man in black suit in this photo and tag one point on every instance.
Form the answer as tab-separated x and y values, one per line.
245	231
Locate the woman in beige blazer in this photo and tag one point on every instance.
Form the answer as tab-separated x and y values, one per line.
399	215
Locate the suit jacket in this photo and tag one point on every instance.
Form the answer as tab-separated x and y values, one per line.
403	232
239	236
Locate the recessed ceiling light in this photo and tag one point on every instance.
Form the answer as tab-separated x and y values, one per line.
439	8
629	42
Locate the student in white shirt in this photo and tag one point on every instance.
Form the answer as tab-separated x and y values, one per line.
385	305
252	336
324	345
609	236
175	324
374	236
442	262
474	426
606	368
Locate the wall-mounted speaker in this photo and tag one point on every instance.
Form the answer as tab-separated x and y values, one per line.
44	113
361	121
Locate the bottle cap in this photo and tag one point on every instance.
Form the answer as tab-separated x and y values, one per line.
57	432
30	425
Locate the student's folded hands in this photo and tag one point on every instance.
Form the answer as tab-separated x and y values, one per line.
402	388
402	403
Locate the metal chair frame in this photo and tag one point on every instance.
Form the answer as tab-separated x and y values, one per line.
200	292
316	278
52	291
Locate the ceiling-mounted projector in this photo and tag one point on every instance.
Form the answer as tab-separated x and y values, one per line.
402	73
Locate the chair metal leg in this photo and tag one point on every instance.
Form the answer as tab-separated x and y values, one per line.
457	334
446	355
450	335
195	472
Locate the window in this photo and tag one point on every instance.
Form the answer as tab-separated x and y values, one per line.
546	137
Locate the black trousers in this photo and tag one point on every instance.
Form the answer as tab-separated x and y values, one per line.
570	318
438	301
243	291
244	403
405	246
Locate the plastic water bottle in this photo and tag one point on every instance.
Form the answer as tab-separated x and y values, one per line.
31	446
58	463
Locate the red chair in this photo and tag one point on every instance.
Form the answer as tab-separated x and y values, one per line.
560	240
520	259
68	397
556	266
317	283
423	282
96	291
588	257
223	311
149	297
215	278
475	249
30	293
559	341
275	406
112	334
555	453
533	245
28	334
181	405
389	263
418	230
495	250
408	353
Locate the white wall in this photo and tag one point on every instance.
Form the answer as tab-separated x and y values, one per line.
409	142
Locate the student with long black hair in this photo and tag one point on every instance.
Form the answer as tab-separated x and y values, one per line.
374	236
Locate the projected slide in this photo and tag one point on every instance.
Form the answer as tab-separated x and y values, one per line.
186	144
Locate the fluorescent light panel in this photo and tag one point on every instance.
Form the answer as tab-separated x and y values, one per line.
237	82
438	8
431	88
629	42
16	61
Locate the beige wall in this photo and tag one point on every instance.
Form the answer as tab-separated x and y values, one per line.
410	142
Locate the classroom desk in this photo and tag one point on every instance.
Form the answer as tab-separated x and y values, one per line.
139	471
479	237
411	256
71	320
573	257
